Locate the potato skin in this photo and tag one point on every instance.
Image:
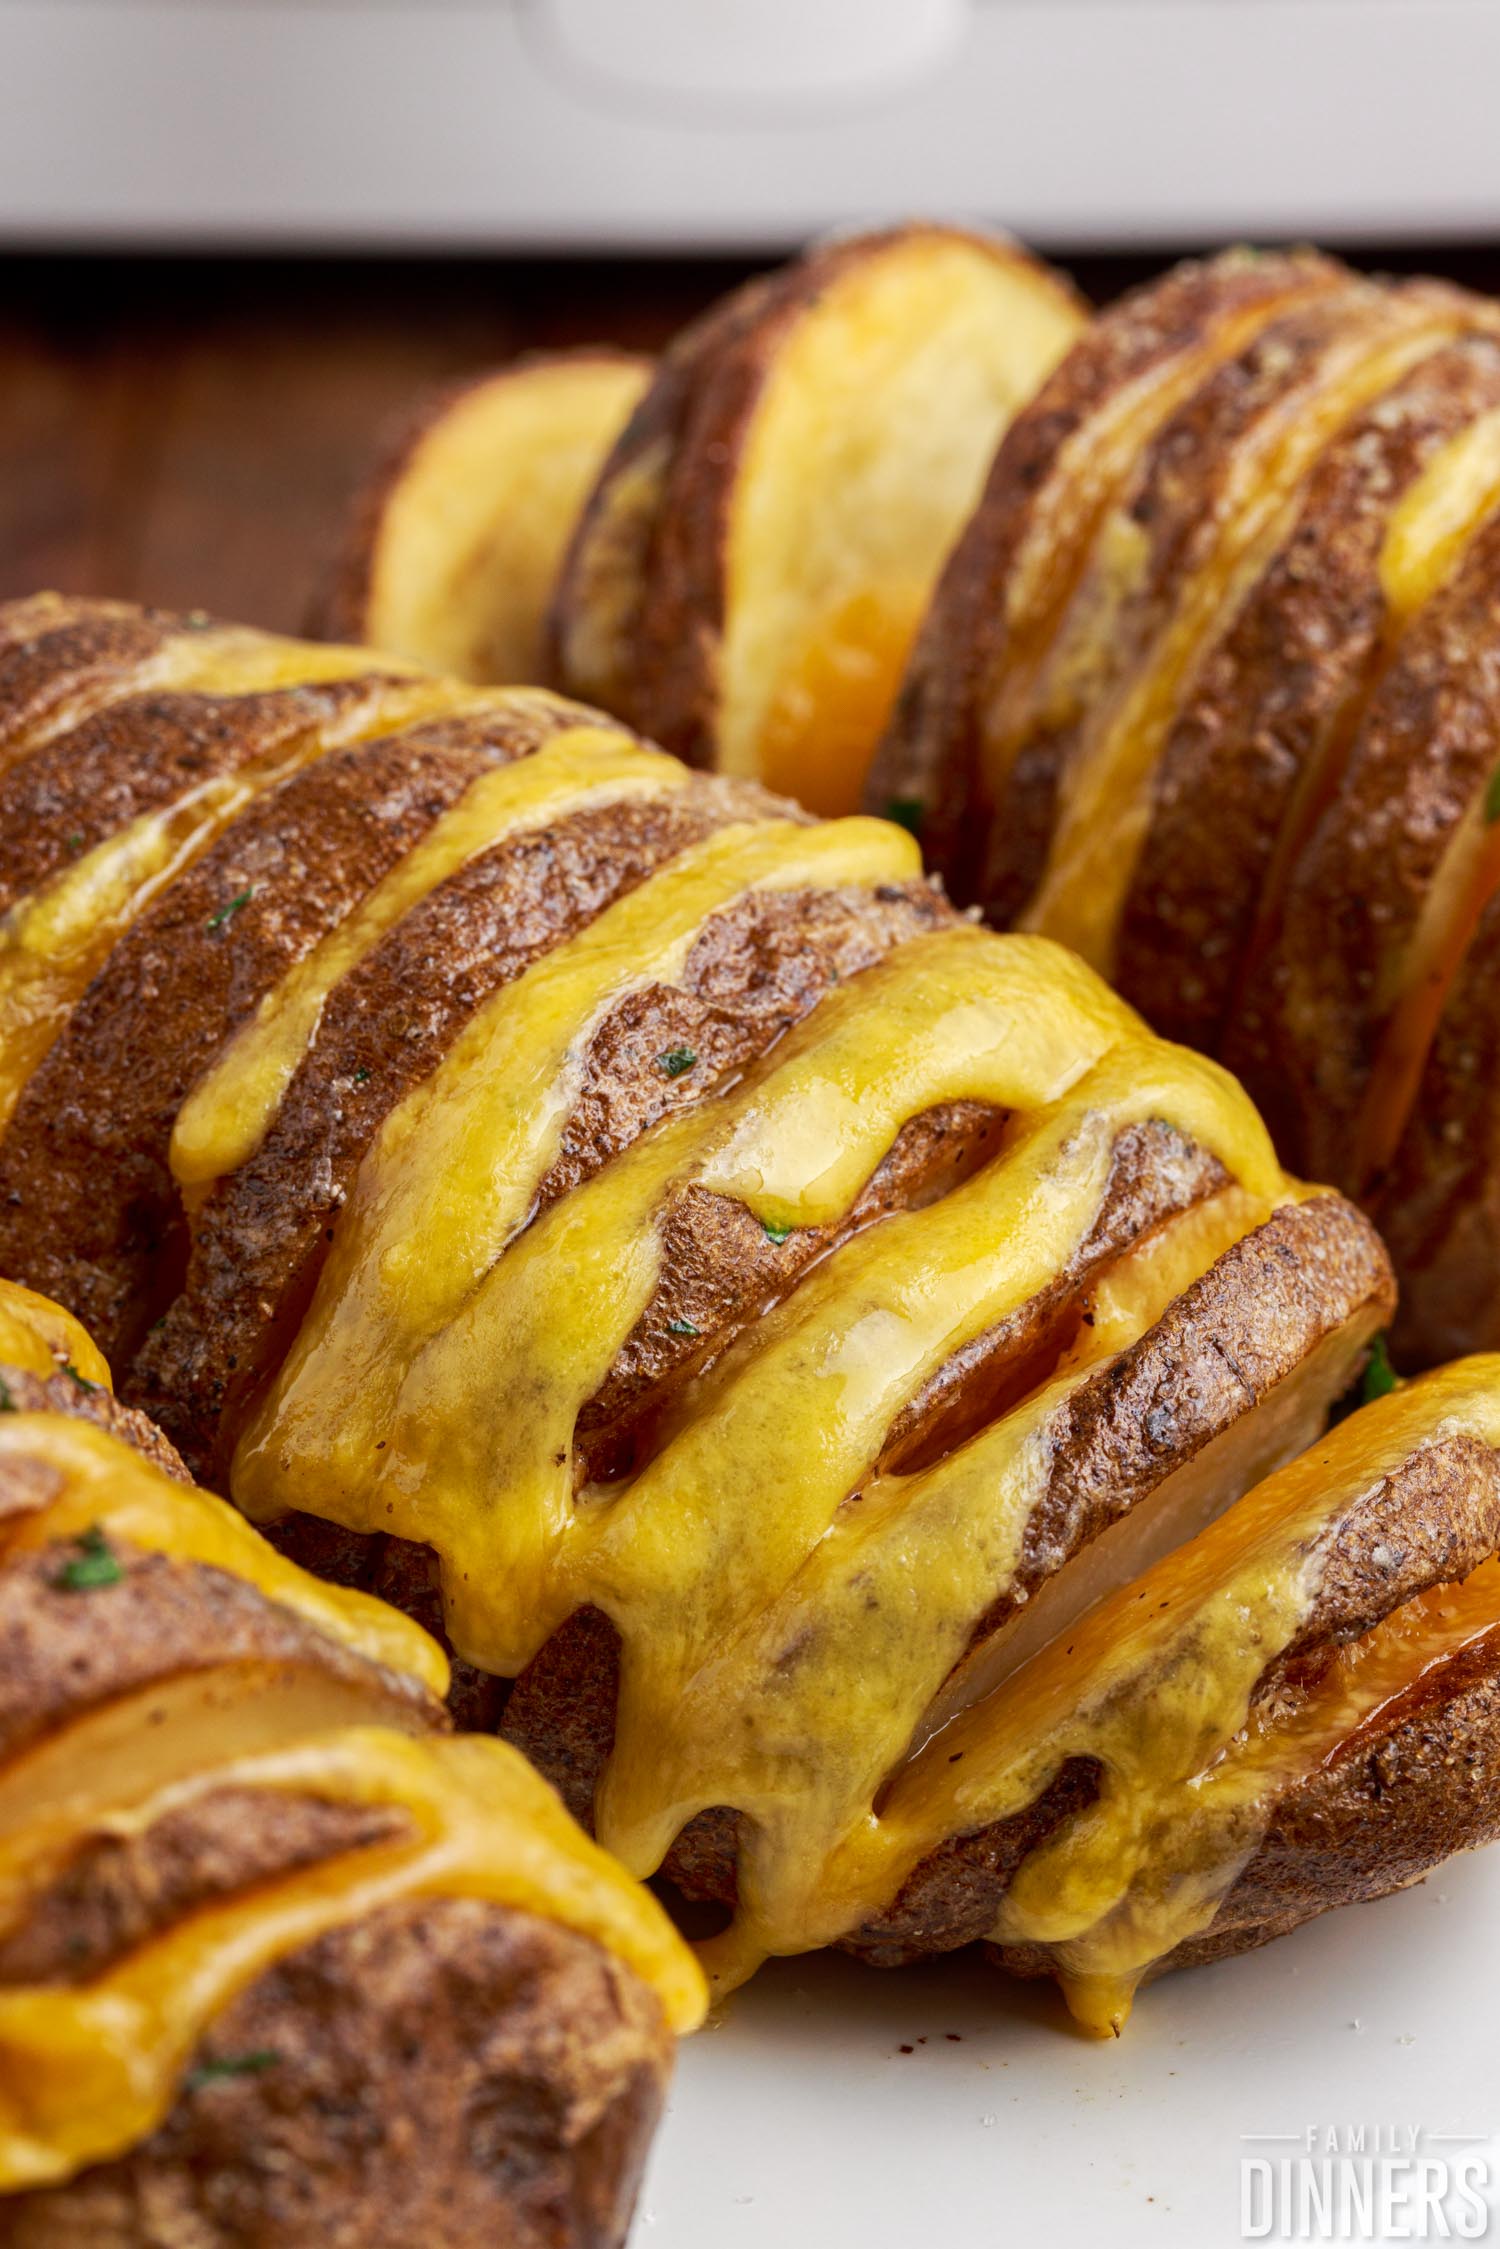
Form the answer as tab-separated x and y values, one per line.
931	754
1221	1348
444	2073
653	564
1274	698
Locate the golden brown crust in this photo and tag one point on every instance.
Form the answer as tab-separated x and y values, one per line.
261	1237
65	1649
1276	703
930	757
89	1213
443	2072
66	1392
1307	1038
656	562
1219	1352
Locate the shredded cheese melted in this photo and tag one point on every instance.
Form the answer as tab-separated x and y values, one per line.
89	2070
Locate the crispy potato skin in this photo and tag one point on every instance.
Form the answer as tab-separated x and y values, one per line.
654	565
1219	1352
931	752
441	2071
1276	694
444	2073
1321	753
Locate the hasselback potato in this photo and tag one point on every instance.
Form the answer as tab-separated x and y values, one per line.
772	1310
267	1933
1209	690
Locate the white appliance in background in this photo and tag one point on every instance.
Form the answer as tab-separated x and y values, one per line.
742	124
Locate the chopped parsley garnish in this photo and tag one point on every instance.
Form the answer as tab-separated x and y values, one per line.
7	1402
682	1327
227	913
231	2065
74	843
82	1380
908	813
1492	797
676	1060
197	621
361	1076
92	1565
1381	1377
774	1231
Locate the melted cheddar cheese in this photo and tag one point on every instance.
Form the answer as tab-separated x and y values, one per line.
799	1613
90	2069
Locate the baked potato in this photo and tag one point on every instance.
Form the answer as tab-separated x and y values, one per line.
280	1959
1209	690
454	546
745	579
764	1306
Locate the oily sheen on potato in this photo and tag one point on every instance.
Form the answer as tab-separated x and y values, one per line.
242	1862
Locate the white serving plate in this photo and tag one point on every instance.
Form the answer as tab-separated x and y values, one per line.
799	2123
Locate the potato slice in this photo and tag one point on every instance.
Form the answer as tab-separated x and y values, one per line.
752	566
456	542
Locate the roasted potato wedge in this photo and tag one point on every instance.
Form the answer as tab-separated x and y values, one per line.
748	573
455	545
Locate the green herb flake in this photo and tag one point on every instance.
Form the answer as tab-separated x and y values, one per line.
228	912
197	621
908	813
214	2072
1381	1377
1492	797
82	1380
682	1327
74	843
361	1076
676	1060
774	1231
7	1402
92	1564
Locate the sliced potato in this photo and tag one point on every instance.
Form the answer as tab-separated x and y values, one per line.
753	563
455	544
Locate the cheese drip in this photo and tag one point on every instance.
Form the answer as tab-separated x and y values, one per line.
89	2070
780	1643
1155	1684
227	1115
1105	800
39	1337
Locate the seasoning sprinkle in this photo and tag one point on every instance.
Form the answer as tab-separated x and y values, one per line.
91	1566
228	912
1381	1377
214	2071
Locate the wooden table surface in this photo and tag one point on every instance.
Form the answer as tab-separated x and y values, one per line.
188	430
